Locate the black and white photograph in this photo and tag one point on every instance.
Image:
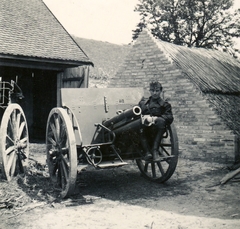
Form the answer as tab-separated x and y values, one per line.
119	114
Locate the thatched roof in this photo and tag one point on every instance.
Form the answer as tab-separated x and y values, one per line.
215	73
107	57
228	108
212	71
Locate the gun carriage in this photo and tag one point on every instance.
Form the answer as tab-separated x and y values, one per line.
100	128
14	140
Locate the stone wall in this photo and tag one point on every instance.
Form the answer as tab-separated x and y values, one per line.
201	133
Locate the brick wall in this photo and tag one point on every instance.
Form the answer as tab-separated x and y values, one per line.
201	133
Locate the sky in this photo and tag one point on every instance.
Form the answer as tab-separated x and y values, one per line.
103	20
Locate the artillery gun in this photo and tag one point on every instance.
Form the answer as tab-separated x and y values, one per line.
100	127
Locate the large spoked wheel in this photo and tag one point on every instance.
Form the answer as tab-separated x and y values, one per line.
163	169
61	151
14	142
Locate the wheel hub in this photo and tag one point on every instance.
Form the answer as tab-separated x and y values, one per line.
19	145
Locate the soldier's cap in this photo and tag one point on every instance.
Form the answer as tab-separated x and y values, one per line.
154	85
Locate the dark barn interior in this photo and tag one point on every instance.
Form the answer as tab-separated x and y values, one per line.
39	89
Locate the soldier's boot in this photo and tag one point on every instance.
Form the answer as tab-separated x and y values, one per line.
155	150
145	147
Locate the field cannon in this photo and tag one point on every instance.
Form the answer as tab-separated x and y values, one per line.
100	127
14	140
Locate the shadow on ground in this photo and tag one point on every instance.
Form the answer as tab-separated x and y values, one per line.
193	189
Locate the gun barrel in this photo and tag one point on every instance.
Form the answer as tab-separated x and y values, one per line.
134	125
125	117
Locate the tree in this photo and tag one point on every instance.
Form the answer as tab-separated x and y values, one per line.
210	24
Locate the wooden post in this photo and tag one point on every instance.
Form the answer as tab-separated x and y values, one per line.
86	77
59	86
237	148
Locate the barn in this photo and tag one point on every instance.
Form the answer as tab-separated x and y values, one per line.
203	87
107	58
40	54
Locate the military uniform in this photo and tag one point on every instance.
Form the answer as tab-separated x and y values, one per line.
160	112
159	108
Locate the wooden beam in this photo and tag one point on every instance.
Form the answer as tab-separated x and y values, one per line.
72	79
39	63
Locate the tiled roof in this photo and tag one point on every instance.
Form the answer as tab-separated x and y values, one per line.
29	29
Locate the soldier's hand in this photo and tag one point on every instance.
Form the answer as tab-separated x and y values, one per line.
147	120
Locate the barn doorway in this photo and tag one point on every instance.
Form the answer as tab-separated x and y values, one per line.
44	98
39	89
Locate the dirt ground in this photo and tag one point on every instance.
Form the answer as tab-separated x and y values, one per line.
122	198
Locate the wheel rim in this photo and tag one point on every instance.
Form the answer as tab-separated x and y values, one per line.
14	142
160	171
61	151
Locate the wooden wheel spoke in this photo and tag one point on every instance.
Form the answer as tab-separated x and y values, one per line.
54	131
169	160
11	130
17	125
51	141
166	153
9	150
55	167
9	138
13	164
146	167
62	177
21	129
13	123
63	142
163	148
20	164
59	174
57	126
65	161
22	155
160	167
153	169
10	161
63	136
65	171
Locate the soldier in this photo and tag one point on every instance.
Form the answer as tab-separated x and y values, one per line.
157	113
